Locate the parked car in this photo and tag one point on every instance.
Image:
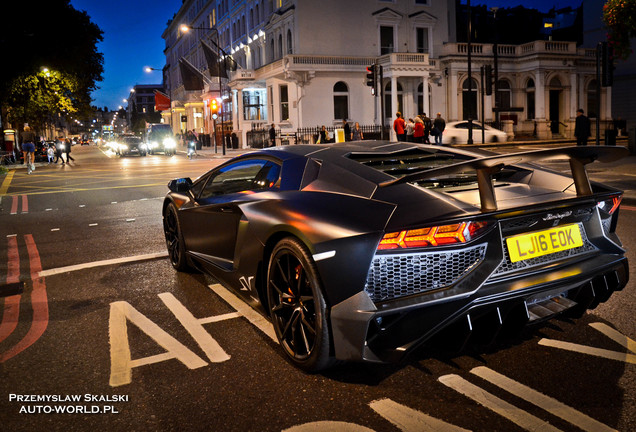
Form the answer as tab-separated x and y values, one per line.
129	144
40	152
368	250
457	133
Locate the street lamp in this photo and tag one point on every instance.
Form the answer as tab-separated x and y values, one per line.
149	69
185	28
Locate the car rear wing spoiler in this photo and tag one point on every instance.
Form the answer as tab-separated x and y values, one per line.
486	167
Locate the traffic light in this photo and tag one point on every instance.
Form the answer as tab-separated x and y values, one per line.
214	108
488	79
371	78
607	65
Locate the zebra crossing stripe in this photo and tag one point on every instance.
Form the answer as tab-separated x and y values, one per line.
544	402
516	415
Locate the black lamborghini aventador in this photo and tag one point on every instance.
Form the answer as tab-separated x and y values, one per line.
365	251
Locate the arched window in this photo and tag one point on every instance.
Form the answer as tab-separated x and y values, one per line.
592	99
289	42
340	101
251	24
389	112
469	99
530	100
280	45
504	94
272	54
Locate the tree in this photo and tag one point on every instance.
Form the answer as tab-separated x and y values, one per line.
619	17
35	98
54	35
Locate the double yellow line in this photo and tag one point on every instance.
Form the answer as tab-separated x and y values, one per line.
6	183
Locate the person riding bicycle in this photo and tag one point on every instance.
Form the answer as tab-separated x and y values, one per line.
28	148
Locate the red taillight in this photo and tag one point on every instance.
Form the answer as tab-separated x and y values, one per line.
610	205
433	236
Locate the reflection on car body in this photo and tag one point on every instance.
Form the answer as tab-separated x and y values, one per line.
365	251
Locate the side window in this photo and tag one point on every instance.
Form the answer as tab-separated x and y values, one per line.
246	175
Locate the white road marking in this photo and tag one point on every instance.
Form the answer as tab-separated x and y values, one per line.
409	420
322	426
518	416
82	205
113	202
130	220
93	224
615	336
584	349
244	309
54	229
49	209
103	263
12	235
210	347
121	363
547	403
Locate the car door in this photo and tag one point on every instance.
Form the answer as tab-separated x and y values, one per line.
211	224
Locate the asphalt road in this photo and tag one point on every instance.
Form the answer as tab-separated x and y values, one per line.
108	336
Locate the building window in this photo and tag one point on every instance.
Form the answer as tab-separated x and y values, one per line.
469	100
272	54
284	103
254	104
504	95
530	100
280	46
387	43
421	2
388	110
289	42
592	99
421	40
340	101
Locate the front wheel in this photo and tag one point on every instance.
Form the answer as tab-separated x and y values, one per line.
297	306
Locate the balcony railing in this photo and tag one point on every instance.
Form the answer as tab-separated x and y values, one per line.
503	50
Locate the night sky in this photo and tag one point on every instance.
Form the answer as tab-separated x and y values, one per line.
132	39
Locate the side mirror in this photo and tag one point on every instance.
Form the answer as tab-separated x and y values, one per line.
181	185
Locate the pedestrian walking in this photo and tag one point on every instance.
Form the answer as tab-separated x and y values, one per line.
59	150
409	130
427	128
272	136
67	150
50	153
439	124
347	130
418	131
398	126
581	128
356	134
324	136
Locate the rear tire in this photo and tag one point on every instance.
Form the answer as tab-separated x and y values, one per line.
297	306
174	239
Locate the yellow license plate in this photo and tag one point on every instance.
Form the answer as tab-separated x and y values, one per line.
526	246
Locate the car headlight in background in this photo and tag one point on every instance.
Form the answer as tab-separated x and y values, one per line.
169	143
143	147
153	144
123	147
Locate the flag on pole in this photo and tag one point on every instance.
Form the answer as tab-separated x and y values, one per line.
192	78
162	101
216	66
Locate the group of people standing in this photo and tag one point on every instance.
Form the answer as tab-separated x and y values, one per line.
420	129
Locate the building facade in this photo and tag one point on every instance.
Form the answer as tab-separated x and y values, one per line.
302	63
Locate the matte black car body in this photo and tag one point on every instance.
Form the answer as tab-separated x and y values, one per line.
344	213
